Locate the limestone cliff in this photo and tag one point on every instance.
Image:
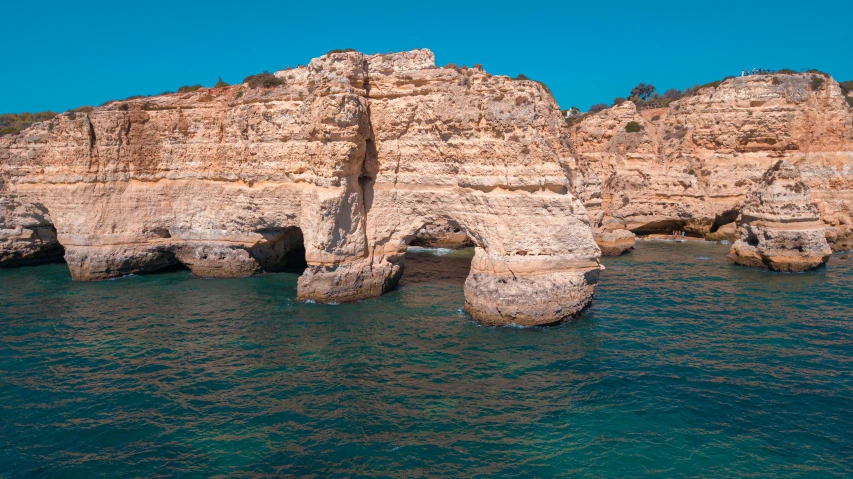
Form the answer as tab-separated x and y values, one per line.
691	165
780	227
349	159
613	241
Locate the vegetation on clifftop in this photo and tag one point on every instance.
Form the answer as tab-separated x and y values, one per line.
11	123
645	96
522	76
263	80
633	127
189	88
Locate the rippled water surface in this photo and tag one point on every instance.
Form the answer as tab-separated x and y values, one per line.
686	366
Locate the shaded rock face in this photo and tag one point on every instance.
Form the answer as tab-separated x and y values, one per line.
726	232
612	241
691	165
780	227
442	235
347	161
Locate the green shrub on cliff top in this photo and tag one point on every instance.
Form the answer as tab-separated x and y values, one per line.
263	80
817	82
522	76
189	88
11	123
633	127
597	108
340	50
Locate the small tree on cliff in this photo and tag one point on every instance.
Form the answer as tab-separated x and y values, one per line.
597	108
643	91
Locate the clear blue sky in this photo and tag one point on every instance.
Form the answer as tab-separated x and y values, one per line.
59	55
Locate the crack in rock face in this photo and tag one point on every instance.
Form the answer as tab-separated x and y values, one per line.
347	160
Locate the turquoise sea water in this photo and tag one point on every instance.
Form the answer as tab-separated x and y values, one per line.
686	366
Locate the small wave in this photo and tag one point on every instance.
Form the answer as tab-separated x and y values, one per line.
432	251
703	258
724	242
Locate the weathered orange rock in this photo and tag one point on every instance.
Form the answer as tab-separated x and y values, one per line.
692	166
781	228
349	159
611	241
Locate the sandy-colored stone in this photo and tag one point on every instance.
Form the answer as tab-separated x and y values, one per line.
780	227
354	155
692	167
614	242
726	232
442	235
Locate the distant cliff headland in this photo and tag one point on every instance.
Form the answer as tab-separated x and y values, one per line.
687	163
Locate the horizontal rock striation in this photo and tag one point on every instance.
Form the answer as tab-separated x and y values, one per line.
347	160
613	241
691	165
781	228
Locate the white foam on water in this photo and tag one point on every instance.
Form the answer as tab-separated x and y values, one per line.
432	251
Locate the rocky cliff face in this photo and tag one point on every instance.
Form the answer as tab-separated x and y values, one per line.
611	239
692	164
348	160
780	226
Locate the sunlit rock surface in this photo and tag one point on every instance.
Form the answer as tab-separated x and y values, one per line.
781	228
349	160
692	164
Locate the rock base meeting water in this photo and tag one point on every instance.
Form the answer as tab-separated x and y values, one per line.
686	365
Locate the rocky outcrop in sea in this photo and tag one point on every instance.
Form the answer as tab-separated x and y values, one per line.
780	227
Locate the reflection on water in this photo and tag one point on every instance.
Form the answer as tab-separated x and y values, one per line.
685	366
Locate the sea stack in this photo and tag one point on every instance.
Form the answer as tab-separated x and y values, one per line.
780	225
346	158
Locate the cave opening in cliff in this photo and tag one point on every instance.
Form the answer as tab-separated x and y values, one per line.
724	218
663	227
439	252
173	266
281	251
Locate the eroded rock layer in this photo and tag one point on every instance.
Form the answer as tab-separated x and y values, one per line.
691	165
780	227
349	159
610	238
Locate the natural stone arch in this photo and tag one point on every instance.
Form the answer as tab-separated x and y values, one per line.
347	150
530	266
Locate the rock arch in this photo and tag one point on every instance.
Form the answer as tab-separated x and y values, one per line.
355	151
